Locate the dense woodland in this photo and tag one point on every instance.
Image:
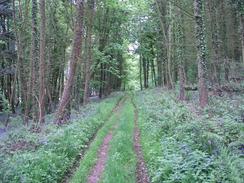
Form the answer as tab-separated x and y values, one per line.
57	56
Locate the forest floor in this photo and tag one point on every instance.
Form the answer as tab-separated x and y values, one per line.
141	137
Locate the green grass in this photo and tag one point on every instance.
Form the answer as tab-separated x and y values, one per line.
57	149
90	158
121	163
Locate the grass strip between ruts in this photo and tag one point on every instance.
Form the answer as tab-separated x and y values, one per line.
90	158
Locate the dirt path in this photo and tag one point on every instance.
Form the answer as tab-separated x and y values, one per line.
141	169
73	169
98	169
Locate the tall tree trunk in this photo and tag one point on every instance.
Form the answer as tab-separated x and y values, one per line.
169	51
21	70
42	62
214	28
144	71
153	73
180	56
182	83
159	68
147	70
201	53
63	114
140	71
224	41
31	91
242	35
90	14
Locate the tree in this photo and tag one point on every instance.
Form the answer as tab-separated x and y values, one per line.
88	61
179	41
42	88
32	83
201	53
63	111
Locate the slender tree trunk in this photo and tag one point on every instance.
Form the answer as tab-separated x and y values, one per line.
224	41
153	73
31	101
214	28
180	56
159	69
182	83
144	72
140	71
21	70
147	70
201	53
63	114
91	12
242	35
42	62
169	53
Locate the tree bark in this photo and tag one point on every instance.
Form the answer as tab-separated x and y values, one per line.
169	53
180	56
182	96
21	70
91	12
42	62
63	114
201	53
31	90
214	28
224	41
242	35
140	71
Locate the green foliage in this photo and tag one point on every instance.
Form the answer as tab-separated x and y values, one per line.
4	104
180	146
56	150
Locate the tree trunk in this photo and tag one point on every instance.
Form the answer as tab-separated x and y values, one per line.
91	12
63	114
21	70
224	42
180	56
169	53
140	71
182	83
214	28
42	62
201	53
242	35
31	90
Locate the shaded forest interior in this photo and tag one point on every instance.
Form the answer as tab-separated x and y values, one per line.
122	91
57	54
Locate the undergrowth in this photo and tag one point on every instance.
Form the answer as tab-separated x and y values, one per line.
56	148
182	147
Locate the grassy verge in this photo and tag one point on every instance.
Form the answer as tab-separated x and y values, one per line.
90	158
56	150
121	164
180	147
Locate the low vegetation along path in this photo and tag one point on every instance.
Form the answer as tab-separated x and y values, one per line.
115	154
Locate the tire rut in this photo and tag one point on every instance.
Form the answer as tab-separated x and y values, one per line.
79	158
141	169
97	171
